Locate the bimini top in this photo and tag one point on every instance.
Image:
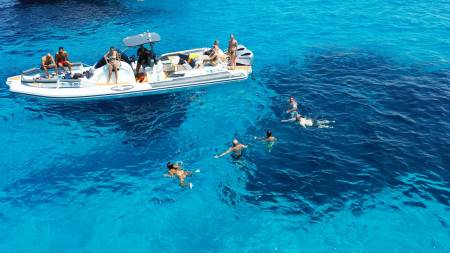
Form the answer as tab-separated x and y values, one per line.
140	39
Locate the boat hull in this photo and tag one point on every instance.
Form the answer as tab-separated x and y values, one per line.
123	90
171	73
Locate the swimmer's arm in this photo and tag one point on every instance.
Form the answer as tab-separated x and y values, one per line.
224	153
259	138
169	174
288	120
106	57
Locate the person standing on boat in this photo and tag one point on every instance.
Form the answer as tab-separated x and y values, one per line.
144	57
62	59
48	62
112	59
232	50
236	149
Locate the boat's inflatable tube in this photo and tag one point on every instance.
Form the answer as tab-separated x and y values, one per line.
125	73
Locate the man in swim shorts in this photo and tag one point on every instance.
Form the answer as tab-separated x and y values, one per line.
175	169
62	59
48	62
236	148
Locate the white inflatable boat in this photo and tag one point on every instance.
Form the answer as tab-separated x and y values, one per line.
167	73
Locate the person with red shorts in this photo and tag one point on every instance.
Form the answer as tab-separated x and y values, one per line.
62	59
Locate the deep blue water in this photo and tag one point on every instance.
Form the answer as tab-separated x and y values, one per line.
87	177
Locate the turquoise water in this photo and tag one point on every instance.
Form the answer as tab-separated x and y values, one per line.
87	177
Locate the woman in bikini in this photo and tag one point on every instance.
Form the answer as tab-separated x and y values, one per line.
112	58
232	48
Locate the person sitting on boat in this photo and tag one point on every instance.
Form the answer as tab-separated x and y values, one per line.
144	57
112	58
232	50
214	53
175	169
195	60
48	62
236	148
62	59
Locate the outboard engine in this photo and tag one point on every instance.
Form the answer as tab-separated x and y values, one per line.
244	56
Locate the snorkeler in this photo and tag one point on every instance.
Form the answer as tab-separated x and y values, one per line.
269	137
294	106
175	169
236	148
305	122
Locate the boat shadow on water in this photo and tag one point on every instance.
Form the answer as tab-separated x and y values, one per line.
139	118
142	125
388	117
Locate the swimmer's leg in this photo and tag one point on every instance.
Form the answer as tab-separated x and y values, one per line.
270	145
324	123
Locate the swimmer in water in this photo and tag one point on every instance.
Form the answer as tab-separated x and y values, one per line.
269	140
236	149
305	122
269	137
175	169
294	106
